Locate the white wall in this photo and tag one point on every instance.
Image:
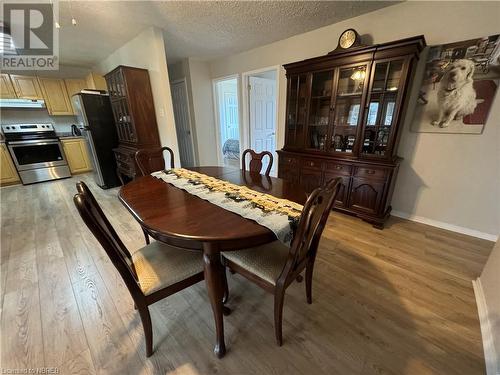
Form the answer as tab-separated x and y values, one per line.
147	50
451	180
489	282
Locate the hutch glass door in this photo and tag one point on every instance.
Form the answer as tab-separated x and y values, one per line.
319	110
348	97
380	118
296	110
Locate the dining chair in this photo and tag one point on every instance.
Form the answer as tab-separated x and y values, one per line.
150	273
150	160
256	161
274	266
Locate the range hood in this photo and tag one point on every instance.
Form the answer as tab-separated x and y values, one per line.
22	103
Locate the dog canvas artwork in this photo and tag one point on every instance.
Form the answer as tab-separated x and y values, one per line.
458	87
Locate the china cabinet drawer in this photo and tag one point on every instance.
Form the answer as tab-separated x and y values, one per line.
312	164
339	168
378	173
288	161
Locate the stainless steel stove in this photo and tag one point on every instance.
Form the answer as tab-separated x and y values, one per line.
36	151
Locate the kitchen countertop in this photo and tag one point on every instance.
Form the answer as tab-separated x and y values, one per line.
68	136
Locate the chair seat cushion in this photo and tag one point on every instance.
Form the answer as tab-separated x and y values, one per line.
159	265
266	261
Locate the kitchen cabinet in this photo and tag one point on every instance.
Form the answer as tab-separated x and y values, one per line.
74	86
6	88
26	87
8	173
77	155
95	81
344	113
56	96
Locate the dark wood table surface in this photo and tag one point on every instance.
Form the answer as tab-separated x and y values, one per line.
174	216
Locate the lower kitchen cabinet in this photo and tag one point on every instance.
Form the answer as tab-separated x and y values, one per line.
8	173
76	153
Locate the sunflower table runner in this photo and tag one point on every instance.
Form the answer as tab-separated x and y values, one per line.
281	216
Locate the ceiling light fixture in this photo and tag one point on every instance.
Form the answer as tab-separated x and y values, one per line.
73	19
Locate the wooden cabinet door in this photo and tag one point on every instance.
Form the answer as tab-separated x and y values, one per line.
310	179
341	200
6	88
95	81
366	195
26	87
77	155
8	173
56	96
74	86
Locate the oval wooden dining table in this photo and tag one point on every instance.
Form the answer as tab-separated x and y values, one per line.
174	216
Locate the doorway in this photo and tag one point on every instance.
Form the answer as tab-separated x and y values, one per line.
182	118
261	112
227	116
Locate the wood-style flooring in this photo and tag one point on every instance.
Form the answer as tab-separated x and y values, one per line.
397	301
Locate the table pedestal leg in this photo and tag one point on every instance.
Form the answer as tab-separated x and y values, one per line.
215	287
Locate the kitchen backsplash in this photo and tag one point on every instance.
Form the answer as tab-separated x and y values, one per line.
62	124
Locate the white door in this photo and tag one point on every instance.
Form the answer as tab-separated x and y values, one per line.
263	117
182	122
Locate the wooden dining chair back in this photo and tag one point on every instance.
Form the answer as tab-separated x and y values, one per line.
150	273
101	228
274	266
152	159
311	224
255	164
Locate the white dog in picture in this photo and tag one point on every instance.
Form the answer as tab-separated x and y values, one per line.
456	96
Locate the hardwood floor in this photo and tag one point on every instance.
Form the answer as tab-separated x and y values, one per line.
397	301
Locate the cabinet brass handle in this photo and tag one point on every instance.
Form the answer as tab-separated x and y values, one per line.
338	167
370	171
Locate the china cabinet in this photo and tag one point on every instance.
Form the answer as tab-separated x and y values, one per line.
344	112
134	113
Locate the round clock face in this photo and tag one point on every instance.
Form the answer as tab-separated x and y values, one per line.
347	39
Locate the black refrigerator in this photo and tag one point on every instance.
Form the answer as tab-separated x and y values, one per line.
95	119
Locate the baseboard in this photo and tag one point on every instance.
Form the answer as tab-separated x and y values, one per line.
490	355
447	226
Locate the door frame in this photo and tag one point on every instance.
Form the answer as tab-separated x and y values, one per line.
193	148
245	128
218	136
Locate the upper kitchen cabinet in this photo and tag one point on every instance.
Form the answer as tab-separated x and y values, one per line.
6	88
56	97
96	82
74	86
26	87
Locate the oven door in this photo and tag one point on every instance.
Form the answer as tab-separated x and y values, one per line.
34	154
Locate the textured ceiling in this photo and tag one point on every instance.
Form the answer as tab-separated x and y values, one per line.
200	29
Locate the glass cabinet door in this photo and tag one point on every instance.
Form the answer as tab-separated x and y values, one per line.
296	110
381	109
319	110
348	97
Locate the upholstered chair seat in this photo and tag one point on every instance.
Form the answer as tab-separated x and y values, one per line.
266	261
159	265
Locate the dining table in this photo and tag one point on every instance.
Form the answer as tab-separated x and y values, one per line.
176	217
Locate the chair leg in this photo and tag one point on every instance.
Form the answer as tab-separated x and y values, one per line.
146	236
309	276
226	286
148	329
279	296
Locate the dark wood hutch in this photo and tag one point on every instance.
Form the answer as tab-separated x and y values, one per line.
134	112
344	113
